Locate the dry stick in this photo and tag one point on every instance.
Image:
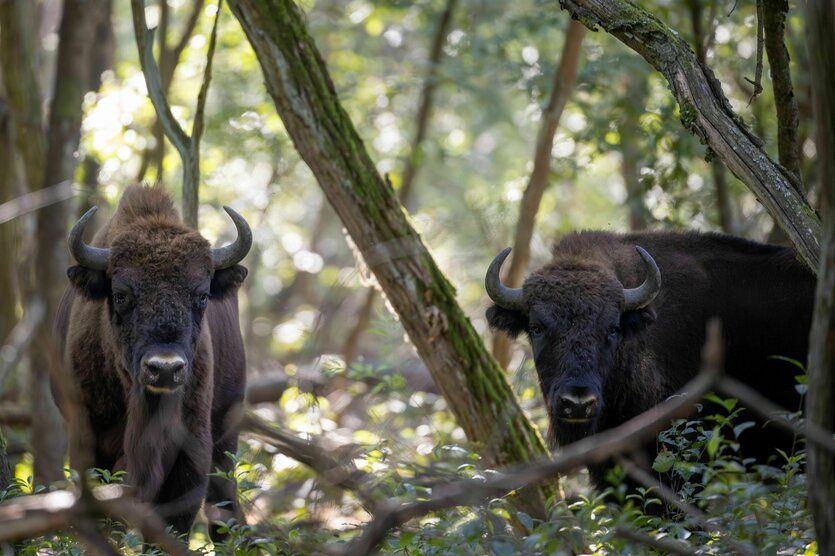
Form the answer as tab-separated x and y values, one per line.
564	79
641	476
427	94
767	409
594	449
706	112
666	546
187	146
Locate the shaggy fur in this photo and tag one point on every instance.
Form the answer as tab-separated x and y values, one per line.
167	443
634	360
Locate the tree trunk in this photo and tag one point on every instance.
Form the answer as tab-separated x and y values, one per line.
474	386
413	160
8	231
706	113
529	206
78	24
629	129
820	398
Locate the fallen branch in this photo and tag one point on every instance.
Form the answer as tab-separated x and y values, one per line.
14	414
666	546
594	449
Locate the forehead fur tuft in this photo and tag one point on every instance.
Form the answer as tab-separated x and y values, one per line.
156	245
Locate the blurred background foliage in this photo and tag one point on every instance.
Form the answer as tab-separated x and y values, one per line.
304	291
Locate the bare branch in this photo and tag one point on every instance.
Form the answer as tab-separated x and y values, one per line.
36	200
666	546
758	72
199	114
14	414
594	449
775	414
20	337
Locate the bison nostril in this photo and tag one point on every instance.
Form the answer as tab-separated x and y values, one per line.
577	404
164	371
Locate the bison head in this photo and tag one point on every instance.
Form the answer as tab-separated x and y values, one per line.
577	315
157	277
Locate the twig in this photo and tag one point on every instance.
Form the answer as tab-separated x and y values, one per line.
666	546
767	409
20	337
594	449
36	200
758	72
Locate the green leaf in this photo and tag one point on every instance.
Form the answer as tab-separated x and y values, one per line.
663	462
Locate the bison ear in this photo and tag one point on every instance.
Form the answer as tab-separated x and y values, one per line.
226	281
511	322
634	322
92	284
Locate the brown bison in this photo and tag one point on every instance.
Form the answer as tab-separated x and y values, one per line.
149	331
617	322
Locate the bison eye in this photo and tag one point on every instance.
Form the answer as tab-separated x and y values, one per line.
202	300
614	330
536	330
120	298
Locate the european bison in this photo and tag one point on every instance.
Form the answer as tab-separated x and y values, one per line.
616	324
149	331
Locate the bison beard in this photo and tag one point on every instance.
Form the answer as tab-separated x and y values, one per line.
149	330
606	351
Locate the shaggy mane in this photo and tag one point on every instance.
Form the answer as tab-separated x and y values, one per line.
140	202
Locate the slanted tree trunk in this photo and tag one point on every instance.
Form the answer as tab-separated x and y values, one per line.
413	160
706	113
820	399
537	183
474	386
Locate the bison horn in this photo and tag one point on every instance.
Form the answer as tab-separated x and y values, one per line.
640	297
507	298
232	254
95	258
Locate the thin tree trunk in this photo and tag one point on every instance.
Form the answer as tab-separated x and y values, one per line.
474	386
561	89
706	113
78	24
820	398
785	103
724	205
427	93
8	232
629	129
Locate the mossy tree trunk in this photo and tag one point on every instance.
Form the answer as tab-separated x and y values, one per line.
820	400
474	386
706	113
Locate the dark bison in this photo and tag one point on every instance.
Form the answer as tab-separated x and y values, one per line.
617	322
149	331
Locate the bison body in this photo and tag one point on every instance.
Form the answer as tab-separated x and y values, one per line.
616	329
150	335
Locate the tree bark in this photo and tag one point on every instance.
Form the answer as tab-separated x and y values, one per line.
724	205
706	113
78	24
413	160
537	183
8	231
785	103
474	386
820	398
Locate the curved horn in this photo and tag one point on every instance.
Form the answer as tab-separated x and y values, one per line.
507	298
232	254
95	258
640	297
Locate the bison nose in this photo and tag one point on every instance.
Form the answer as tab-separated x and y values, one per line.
163	372
577	403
